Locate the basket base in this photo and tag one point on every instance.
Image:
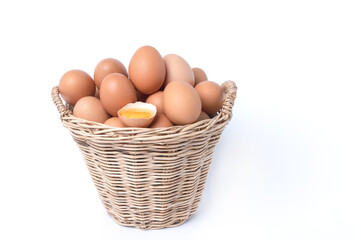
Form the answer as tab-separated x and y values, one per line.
151	225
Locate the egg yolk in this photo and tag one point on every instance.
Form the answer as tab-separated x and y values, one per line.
136	113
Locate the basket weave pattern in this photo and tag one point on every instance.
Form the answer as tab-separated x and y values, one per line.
148	178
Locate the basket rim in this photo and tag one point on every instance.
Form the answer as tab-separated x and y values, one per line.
229	87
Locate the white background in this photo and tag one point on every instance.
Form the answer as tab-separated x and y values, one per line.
288	165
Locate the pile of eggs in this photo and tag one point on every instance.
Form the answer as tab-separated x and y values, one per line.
156	92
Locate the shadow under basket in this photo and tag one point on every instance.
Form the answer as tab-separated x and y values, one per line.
149	178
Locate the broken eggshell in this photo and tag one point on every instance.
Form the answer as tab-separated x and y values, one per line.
137	114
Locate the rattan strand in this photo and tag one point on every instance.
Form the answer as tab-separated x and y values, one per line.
149	178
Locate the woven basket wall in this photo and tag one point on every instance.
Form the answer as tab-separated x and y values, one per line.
149	178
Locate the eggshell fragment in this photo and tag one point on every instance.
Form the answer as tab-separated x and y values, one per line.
157	100
182	104
177	69
74	85
137	114
211	95
115	92
147	70
90	108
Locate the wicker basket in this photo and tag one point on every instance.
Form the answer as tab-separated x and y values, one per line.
149	178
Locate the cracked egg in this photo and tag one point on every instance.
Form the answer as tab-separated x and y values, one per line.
137	114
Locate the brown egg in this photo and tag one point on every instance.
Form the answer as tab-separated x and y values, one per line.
182	104
160	121
147	70
177	69
115	92
74	85
199	76
203	116
90	108
157	100
107	66
211	95
114	122
137	114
